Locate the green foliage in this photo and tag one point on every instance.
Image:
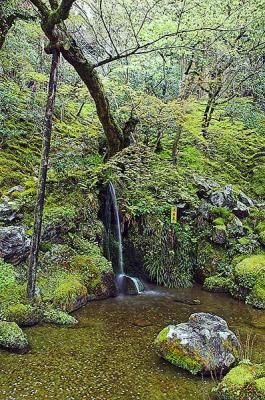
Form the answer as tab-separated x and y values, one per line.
7	276
218	283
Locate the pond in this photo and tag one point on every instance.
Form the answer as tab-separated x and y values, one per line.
110	354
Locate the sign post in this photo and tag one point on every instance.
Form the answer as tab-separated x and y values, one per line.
173	215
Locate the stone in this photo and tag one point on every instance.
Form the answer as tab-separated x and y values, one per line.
14	244
12	337
243	198
190	302
205	186
21	314
8	212
224	198
204	344
18	188
235	227
219	235
58	317
241	210
244	382
133	286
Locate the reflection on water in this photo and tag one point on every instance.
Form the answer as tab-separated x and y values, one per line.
110	355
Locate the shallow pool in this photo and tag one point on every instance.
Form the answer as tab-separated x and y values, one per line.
110	355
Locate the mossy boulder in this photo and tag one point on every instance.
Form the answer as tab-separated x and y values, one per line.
202	345
248	271
58	317
218	283
70	294
257	294
22	314
12	337
244	382
209	258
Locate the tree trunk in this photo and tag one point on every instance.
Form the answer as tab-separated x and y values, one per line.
38	214
207	116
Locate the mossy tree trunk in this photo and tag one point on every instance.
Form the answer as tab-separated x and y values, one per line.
38	214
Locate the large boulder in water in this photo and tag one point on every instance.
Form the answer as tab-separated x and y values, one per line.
14	244
202	345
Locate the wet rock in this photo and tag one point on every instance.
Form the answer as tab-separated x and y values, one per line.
8	212
224	198
14	244
187	301
133	285
12	338
202	345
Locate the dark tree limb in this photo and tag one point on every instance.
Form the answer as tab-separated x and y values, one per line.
38	214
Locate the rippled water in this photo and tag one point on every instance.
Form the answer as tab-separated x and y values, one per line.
108	356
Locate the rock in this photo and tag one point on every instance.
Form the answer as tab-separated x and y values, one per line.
14	244
224	198
70	295
58	317
202	345
187	301
133	285
219	235
243	198
235	227
18	188
8	212
205	186
22	314
13	338
218	284
241	210
244	382
205	210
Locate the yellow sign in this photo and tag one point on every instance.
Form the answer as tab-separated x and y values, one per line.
173	215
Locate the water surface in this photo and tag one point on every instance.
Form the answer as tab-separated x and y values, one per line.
109	357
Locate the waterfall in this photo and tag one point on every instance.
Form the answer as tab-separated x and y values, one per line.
125	283
117	228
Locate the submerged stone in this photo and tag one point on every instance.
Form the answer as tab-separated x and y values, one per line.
202	345
13	338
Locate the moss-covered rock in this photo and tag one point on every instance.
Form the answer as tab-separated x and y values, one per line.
12	337
209	259
54	316
218	283
244	382
203	344
22	314
70	295
257	294
249	269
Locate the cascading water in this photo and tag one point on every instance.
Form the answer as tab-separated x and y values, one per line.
125	283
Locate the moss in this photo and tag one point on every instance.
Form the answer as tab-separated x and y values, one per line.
248	270
70	294
218	283
222	212
54	316
12	337
7	275
244	241
244	382
219	221
210	259
172	351
257	294
22	314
